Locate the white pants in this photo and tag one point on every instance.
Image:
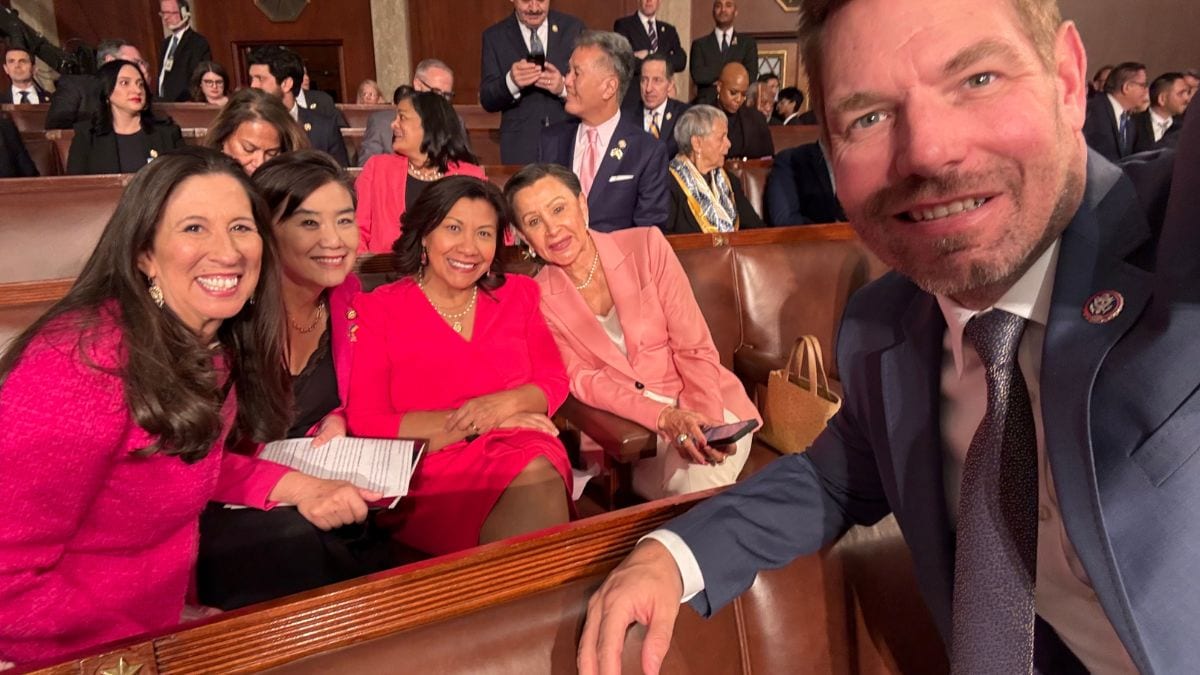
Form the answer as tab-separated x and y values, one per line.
668	473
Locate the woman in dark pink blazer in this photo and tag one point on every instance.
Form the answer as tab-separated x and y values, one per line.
313	202
429	142
631	334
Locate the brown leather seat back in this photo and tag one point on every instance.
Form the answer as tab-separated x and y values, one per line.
44	154
54	223
789	290
753	175
710	270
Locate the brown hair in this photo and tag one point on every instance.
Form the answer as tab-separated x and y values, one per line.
249	105
171	388
1039	18
196	86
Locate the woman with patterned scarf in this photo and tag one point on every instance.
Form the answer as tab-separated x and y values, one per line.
704	196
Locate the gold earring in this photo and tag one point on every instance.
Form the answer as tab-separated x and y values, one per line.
156	294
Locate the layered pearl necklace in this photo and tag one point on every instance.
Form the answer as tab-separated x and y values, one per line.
455	319
427	174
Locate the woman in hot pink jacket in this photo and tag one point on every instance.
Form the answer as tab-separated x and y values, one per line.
117	406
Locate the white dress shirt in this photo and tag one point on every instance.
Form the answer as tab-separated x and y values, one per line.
1160	124
543	33
162	72
723	35
645	21
1063	595
605	131
32	91
1117	109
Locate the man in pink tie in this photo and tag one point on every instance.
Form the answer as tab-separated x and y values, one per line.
622	169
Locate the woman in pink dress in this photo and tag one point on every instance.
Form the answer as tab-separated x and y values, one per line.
458	353
116	406
429	142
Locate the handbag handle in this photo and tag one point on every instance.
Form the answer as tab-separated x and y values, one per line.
809	367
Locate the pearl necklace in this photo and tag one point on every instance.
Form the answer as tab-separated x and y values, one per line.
591	273
455	319
427	175
312	326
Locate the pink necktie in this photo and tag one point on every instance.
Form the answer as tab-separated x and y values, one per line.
587	168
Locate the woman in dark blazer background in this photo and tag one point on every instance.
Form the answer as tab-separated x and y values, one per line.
123	135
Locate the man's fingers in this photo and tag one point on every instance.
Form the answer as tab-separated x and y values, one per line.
586	660
658	640
613	625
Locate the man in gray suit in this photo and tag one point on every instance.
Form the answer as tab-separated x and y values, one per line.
431	75
1013	391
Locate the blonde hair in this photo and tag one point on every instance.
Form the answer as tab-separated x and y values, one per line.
1039	18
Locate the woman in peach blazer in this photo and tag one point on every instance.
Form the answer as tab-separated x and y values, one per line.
632	336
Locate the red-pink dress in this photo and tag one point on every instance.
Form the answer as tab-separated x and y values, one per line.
408	359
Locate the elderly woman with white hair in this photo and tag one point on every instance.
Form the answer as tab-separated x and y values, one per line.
704	196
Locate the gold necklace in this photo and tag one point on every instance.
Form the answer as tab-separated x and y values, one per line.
426	175
455	319
591	273
312	326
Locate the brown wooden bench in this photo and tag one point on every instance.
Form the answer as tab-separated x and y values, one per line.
518	607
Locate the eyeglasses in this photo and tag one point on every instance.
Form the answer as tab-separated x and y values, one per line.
1143	85
448	95
212	83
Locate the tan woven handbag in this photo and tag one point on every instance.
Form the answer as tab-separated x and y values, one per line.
798	400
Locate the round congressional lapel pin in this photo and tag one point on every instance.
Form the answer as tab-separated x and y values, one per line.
1103	307
553	28
307	126
351	315
312	106
668	117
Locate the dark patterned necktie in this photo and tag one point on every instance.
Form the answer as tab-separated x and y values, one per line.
653	32
24	98
535	44
724	42
995	564
1126	146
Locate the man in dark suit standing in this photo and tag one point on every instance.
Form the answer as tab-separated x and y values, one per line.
19	65
1015	391
749	135
320	103
1110	128
647	35
622	169
800	188
1164	118
524	61
656	106
724	45
181	52
278	71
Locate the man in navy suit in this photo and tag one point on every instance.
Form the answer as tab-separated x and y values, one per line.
650	36
524	61
1026	356
623	169
278	71
800	189
19	66
656	106
1111	128
711	52
181	52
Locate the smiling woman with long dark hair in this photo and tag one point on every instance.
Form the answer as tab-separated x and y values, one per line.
123	135
117	406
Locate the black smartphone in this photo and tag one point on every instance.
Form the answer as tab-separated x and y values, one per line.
729	433
538	60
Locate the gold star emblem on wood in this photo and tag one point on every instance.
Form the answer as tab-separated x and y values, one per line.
123	668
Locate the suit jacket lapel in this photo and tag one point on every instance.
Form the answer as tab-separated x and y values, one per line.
1108	226
619	143
515	38
911	375
562	300
624	286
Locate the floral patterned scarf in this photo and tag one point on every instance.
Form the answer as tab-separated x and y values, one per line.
712	204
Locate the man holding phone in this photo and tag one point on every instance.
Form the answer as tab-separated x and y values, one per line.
524	61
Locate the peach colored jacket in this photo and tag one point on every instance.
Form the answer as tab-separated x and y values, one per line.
670	350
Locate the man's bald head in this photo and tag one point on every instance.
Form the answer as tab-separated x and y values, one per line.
732	86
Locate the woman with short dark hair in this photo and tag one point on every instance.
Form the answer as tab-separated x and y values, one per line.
209	84
254	127
123	135
428	142
458	353
119	403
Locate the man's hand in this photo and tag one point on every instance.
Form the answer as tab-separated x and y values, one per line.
524	73
551	80
645	588
641	53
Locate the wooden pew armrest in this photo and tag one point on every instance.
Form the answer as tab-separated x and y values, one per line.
623	441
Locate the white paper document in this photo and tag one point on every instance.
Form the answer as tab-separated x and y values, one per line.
383	465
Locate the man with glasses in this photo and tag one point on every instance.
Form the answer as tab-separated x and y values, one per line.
181	51
431	75
1110	127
